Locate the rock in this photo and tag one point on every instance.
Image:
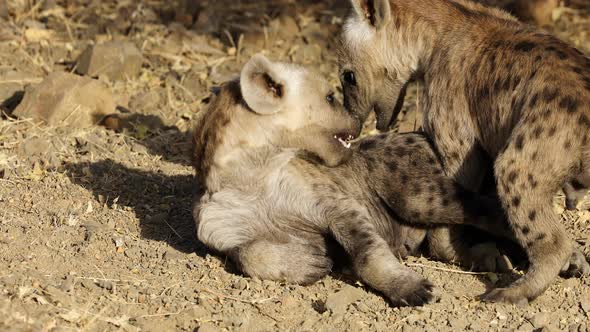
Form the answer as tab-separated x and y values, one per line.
88	284
208	327
12	84
284	27
4	9
570	283
145	101
66	99
56	295
240	284
585	305
106	284
458	323
339	301
540	320
34	147
115	59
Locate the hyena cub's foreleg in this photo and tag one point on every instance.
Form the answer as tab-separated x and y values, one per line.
526	190
372	259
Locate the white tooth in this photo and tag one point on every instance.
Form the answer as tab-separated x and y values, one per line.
343	142
348	145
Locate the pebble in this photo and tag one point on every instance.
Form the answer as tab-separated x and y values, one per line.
240	284
540	320
106	284
570	283
34	147
115	59
338	302
585	305
208	327
119	242
88	284
56	295
66	99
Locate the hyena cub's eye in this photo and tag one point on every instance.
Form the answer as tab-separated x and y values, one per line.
330	98
349	78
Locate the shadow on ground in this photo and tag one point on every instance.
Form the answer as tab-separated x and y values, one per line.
161	202
150	131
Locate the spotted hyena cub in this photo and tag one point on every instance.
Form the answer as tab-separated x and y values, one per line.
490	86
266	151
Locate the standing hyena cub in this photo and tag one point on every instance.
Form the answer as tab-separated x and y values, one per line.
490	85
270	205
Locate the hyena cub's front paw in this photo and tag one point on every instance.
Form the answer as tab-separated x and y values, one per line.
414	292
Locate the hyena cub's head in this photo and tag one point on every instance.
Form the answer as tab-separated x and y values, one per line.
273	104
376	59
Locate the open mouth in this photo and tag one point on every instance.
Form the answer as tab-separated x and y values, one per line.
344	139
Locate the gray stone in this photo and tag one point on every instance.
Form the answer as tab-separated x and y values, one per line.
115	59
66	99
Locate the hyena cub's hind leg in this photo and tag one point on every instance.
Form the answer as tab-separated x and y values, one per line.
289	259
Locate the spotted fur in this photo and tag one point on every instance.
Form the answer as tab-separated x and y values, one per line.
491	86
273	206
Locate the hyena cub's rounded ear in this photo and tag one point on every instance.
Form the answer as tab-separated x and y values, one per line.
262	87
376	13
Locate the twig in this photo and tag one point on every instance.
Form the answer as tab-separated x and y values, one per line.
445	269
112	280
252	302
162	314
175	232
23	81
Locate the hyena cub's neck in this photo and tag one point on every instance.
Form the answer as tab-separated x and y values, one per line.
229	138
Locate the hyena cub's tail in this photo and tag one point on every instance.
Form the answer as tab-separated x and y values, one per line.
292	260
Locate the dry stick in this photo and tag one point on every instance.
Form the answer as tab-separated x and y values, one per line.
175	232
162	314
23	81
254	303
445	269
219	295
417	106
240	45
230	38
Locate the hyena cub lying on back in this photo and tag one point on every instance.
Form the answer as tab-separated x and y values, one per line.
270	204
491	86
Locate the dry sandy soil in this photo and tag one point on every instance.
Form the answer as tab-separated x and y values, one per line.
95	225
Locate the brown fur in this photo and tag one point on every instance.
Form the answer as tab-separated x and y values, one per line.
272	207
537	11
491	86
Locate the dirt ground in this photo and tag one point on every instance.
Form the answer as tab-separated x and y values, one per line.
96	230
